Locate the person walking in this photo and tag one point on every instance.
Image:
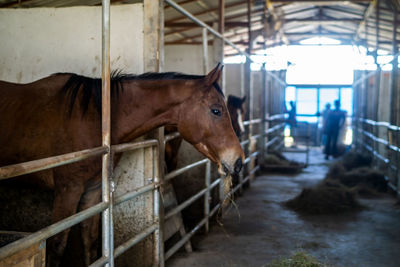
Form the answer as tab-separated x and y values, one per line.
334	122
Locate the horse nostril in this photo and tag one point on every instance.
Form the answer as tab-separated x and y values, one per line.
238	165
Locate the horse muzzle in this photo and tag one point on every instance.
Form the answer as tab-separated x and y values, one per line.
226	168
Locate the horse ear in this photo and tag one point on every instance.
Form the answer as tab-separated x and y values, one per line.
214	75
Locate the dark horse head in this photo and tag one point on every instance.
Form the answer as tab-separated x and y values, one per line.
236	110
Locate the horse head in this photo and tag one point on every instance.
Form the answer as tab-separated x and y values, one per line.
236	111
204	122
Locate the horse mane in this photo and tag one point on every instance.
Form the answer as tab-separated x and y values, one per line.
91	87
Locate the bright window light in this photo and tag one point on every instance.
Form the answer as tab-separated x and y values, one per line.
320	41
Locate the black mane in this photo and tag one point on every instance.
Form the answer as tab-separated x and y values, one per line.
91	87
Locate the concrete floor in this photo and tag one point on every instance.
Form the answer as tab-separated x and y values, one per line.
263	229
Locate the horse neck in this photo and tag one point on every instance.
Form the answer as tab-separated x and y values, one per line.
145	105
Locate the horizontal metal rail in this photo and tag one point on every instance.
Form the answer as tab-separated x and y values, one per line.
55	161
272	141
276	117
133	241
51	230
204	25
250	122
275	128
127	245
177	172
171	136
135	193
134	145
191	200
189	235
48	163
217	34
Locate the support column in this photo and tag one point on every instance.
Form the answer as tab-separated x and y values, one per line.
107	228
153	58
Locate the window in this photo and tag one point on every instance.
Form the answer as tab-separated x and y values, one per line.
346	100
327	95
307	101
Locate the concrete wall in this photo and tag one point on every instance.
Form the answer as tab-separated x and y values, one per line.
234	79
187	59
41	41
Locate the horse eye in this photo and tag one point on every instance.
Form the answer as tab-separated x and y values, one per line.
216	112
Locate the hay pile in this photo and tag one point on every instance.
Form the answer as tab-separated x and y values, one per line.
347	178
325	198
274	161
355	172
299	259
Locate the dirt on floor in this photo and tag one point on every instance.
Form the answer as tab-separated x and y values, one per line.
263	229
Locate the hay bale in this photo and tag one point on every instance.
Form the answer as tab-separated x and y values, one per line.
299	259
329	197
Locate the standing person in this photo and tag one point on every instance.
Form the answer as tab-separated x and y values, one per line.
325	114
292	117
334	122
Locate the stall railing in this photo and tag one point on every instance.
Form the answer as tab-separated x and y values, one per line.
381	149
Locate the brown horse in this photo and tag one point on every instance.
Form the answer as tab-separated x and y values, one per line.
236	113
61	114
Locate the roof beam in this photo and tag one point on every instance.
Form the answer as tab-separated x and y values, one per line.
210	23
207	11
368	12
315	2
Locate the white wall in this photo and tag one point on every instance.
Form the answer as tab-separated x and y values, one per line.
186	59
234	79
37	42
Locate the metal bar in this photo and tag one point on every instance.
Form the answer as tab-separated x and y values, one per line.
48	163
99	262
158	209
184	240
275	128
272	141
51	230
134	193
132	146
205	51
107	228
276	116
133	241
211	30
207	195
171	136
177	172
253	121
187	202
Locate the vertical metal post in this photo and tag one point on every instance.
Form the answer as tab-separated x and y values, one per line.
107	229
205	51
153	62
207	195
157	210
